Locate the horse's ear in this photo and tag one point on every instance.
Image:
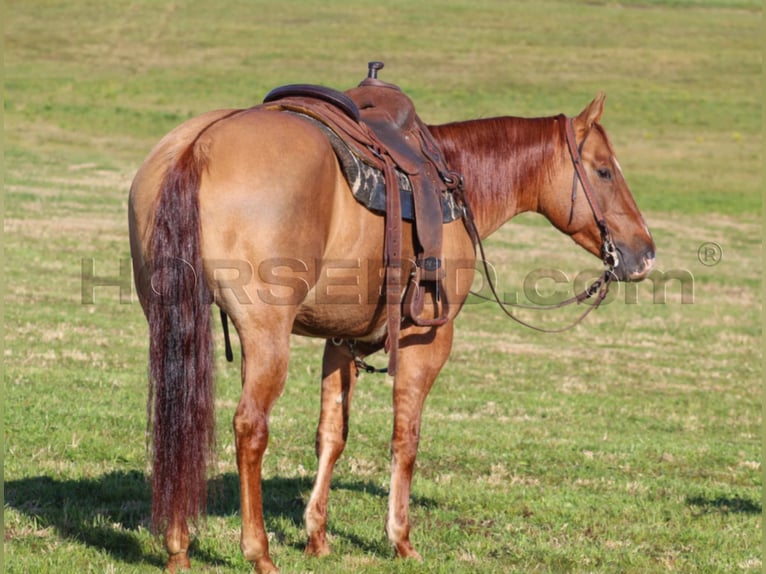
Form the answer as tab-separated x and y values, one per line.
590	115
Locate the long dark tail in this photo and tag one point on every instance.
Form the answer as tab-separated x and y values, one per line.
181	399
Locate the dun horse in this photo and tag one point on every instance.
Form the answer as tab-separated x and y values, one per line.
250	209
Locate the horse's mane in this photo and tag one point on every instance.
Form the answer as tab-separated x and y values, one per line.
500	157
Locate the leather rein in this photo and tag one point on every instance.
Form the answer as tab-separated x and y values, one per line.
609	255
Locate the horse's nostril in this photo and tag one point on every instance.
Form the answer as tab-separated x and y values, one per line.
648	264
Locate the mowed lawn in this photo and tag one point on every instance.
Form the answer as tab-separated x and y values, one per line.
629	444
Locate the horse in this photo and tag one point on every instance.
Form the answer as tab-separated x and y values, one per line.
248	209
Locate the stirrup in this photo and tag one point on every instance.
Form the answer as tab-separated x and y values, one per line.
414	300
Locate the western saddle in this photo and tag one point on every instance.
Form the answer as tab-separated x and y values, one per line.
377	122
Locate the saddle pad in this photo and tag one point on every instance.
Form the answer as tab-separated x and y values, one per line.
368	185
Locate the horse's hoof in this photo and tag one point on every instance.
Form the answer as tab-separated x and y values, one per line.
265	566
406	550
178	562
317	546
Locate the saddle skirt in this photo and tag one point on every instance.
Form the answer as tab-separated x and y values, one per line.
368	184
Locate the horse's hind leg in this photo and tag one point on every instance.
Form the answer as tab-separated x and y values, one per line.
338	380
177	545
264	369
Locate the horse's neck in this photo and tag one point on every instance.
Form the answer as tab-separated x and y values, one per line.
505	162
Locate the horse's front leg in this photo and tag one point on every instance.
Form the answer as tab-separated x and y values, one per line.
423	352
338	380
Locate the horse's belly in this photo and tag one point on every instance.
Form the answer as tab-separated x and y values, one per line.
339	316
342	323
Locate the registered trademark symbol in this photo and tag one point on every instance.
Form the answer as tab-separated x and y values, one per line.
710	253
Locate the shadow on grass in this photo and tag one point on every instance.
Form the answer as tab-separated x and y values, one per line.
87	510
724	505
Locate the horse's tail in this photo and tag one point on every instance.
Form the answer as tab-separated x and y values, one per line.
181	401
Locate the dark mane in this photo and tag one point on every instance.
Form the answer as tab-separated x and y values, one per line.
500	157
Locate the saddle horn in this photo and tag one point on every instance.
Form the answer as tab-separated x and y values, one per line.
372	69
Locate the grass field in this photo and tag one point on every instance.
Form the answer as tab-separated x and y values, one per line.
630	444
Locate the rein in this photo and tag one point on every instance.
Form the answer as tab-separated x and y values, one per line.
609	256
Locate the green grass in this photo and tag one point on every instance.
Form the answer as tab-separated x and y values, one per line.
630	444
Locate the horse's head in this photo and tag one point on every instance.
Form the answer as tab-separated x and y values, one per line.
593	203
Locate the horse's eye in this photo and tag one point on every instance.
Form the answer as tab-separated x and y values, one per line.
604	174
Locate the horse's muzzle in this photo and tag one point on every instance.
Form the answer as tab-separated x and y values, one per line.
634	266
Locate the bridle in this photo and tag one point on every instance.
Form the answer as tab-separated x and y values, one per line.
609	254
608	251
